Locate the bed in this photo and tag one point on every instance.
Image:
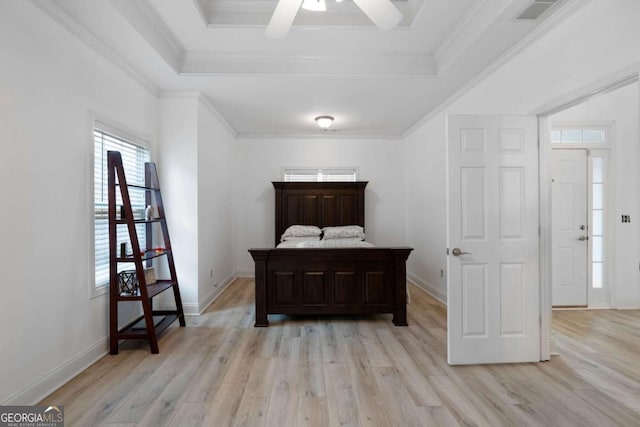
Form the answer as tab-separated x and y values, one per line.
321	281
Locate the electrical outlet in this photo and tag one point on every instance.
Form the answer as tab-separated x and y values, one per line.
626	219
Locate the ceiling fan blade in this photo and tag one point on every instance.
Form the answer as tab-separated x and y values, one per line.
282	18
382	12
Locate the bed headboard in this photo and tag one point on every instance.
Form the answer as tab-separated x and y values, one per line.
325	204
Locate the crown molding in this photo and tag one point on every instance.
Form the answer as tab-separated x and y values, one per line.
609	84
205	102
540	30
143	19
213	63
198	7
78	30
474	22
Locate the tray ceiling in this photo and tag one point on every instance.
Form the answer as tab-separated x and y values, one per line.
375	83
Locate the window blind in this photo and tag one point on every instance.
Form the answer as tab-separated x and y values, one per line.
133	160
320	175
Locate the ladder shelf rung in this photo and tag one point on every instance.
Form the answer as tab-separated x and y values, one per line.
152	290
139	221
147	256
138	329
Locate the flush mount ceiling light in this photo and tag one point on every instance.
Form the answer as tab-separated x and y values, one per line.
324	122
314	5
381	12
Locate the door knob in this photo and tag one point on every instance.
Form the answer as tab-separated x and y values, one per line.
458	252
583	238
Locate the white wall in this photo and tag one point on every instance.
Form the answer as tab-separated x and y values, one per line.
619	107
260	161
51	85
425	212
195	162
216	243
177	161
596	45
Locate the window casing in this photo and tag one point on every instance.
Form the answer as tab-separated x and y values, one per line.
134	157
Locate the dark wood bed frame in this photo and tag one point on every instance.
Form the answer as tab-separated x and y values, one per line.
349	281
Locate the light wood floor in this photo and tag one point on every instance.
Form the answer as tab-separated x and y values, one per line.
221	371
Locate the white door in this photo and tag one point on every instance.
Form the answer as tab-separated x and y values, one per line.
569	227
493	290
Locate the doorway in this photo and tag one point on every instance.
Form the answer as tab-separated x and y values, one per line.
612	197
581	222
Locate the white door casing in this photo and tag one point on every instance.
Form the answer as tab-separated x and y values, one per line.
493	292
569	229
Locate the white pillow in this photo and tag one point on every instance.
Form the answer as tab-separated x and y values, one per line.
343	232
352	242
300	238
301	231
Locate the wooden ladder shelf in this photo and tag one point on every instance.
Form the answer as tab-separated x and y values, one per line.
151	322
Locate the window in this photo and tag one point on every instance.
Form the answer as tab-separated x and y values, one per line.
133	159
597	222
320	175
578	136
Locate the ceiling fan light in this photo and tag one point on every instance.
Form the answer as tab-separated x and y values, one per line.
324	122
315	5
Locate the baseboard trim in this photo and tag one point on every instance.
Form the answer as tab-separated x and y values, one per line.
64	373
59	376
190	309
245	274
215	293
428	288
197	308
553	347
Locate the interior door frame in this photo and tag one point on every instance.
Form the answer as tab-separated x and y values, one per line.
609	84
547	347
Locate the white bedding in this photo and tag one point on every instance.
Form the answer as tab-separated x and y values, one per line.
328	244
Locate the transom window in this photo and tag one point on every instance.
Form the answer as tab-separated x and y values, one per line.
578	136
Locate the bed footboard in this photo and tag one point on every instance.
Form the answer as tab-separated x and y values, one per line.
349	281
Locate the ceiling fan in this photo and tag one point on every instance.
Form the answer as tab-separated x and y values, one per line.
382	12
